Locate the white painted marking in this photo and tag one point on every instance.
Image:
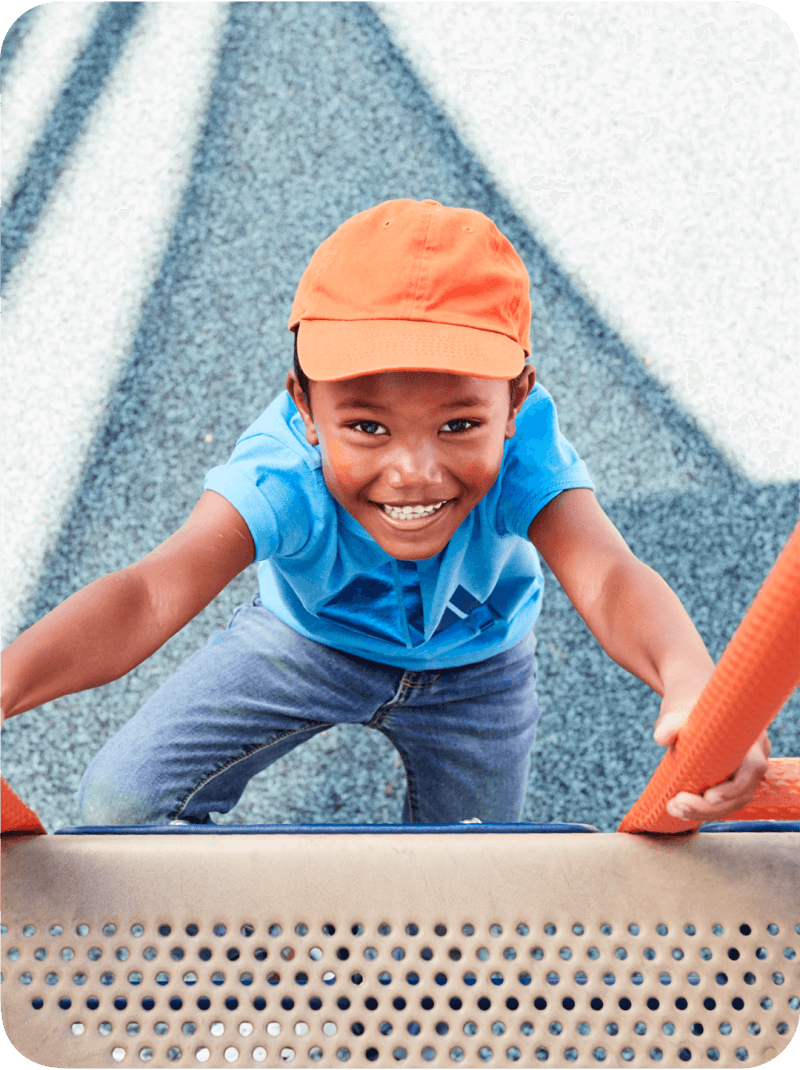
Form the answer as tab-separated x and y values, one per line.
36	77
72	304
665	189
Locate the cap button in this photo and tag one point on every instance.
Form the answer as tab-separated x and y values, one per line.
438	205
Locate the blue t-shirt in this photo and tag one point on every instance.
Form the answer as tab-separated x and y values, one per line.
322	574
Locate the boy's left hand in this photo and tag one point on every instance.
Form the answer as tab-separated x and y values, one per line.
725	798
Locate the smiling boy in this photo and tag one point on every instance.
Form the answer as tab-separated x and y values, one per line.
395	497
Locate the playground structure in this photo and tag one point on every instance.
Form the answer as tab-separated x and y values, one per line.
433	945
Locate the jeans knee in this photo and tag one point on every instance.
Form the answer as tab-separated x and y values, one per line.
107	803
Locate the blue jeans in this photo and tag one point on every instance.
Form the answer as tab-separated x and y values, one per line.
258	689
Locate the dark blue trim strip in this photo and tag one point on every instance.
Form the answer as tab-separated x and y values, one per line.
293	830
751	826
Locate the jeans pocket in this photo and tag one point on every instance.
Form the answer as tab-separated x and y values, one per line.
235	614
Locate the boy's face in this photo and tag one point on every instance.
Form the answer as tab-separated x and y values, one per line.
427	443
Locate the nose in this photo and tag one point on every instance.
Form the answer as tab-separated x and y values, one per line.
413	465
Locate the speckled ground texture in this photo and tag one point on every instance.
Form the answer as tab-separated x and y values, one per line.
315	114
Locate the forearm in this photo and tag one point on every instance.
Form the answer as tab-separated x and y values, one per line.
640	623
95	636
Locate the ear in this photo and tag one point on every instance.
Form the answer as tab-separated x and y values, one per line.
297	396
523	388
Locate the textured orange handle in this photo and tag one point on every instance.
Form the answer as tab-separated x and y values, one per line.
14	814
755	676
777	795
16	817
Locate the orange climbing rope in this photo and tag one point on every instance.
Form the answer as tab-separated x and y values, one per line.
755	676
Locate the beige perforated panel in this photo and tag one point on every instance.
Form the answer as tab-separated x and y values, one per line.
402	950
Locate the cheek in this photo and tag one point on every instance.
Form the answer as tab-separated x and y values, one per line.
341	470
343	478
481	472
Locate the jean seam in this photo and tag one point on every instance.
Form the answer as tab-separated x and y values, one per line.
385	708
381	714
399	699
235	614
240	758
424	683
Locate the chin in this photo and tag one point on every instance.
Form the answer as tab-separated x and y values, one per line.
409	550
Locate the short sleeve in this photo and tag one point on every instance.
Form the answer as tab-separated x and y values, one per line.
269	482
539	463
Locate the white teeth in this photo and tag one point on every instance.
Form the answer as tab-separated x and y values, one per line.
410	512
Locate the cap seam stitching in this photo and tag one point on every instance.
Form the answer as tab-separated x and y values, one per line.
422	261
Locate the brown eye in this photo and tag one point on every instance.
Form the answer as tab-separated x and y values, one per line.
456	426
370	427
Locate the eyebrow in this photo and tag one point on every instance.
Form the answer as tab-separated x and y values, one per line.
361	403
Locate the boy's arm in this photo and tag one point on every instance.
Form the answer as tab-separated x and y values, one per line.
111	626
640	623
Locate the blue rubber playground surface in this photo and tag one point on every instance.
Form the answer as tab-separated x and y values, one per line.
169	169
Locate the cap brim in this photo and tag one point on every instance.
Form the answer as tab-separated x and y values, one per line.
342	349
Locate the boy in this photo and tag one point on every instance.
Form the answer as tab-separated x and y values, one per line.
393	497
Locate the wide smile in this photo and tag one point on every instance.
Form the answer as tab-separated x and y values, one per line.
412	517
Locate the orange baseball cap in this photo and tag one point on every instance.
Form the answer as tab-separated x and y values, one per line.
413	284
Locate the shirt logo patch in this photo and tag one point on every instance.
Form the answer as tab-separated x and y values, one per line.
459	607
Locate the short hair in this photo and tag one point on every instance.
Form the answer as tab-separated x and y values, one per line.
302	378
